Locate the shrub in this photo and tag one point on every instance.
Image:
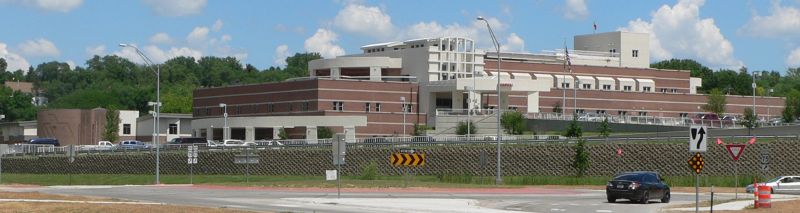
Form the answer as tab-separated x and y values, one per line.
581	161
324	132
604	129
462	128
370	171
513	122
574	129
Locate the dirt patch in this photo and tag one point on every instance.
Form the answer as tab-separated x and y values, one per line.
777	207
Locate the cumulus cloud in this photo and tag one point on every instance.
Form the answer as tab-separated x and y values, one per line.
15	61
476	30
283	28
39	47
513	44
678	31
217	25
323	42
575	9
783	22
281	53
161	38
49	5
71	64
364	20
99	50
793	60
176	7
198	36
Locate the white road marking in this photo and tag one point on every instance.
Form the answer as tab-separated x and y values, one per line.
573	204
285	205
558	210
604	211
514	208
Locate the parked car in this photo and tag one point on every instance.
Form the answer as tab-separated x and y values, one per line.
232	143
780	184
187	141
101	145
132	144
45	141
638	187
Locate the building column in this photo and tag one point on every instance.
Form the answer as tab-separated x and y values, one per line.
275	131
311	134
249	133
350	134
209	133
474	102
458	99
336	72
533	102
375	74
226	133
503	105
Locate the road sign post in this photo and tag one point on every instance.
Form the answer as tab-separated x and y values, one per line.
192	160
407	158
696	163
71	154
735	150
246	157
339	146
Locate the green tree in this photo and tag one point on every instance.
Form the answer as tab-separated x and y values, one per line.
324	132
513	122
716	102
461	129
749	120
788	114
581	161
282	134
574	130
177	99
792	106
604	128
111	132
16	106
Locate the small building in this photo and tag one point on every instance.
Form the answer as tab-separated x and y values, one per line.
171	126
82	126
17	132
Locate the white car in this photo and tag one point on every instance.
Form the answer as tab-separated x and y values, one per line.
780	184
233	143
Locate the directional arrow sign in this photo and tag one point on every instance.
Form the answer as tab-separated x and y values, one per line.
735	150
407	159
697	139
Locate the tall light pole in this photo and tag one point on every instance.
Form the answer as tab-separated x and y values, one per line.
469	106
403	99
754	93
225	115
157	142
498	179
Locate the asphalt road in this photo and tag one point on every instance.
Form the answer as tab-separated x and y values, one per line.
374	200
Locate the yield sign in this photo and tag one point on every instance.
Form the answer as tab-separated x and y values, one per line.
735	150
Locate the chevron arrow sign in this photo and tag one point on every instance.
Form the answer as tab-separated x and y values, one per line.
407	159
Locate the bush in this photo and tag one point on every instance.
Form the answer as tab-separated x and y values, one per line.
581	161
604	129
462	128
419	130
282	134
574	130
324	132
370	171
513	122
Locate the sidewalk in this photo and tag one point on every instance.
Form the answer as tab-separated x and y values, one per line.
737	205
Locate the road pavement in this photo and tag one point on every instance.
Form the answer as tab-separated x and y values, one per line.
529	199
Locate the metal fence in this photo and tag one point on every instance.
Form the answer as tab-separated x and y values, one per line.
386	142
652	120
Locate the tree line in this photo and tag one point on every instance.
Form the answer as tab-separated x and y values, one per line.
114	82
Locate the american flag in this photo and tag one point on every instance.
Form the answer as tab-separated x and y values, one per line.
569	63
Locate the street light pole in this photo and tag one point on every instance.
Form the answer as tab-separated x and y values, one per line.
498	179
157	142
225	116
403	99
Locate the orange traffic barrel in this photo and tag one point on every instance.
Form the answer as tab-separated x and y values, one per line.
764	196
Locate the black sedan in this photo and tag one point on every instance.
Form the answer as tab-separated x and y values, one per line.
638	187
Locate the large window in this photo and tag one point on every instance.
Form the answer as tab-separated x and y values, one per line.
606	86
587	86
338	106
642	113
635	53
407	107
627	88
622	112
377	107
270	107
645	89
126	129
304	106
564	85
173	129
367	107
